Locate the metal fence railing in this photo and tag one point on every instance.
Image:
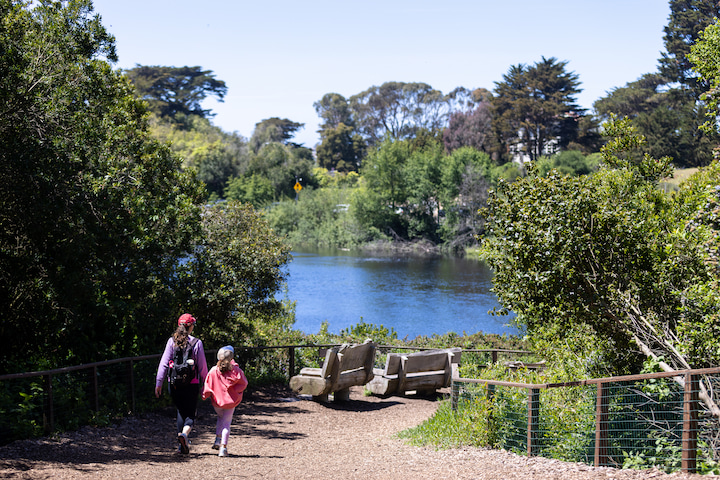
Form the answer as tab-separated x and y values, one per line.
667	419
38	403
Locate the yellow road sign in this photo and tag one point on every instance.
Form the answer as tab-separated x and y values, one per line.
297	186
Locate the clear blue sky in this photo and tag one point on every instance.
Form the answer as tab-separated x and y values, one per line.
279	57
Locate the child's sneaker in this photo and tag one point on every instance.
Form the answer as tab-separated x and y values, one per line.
223	452
216	445
183	443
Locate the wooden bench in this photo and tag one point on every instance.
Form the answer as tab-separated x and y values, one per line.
516	365
344	366
423	372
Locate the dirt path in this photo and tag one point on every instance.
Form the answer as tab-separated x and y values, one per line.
279	436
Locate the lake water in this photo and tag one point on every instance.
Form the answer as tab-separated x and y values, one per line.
412	295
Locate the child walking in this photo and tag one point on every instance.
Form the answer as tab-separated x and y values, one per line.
224	384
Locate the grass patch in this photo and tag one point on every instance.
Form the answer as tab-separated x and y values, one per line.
445	429
681	174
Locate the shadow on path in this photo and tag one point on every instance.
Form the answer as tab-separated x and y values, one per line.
266	414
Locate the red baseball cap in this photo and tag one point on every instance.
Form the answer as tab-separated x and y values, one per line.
186	319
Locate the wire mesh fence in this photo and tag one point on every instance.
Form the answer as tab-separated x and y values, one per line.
637	421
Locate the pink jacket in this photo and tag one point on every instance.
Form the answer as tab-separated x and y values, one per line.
226	389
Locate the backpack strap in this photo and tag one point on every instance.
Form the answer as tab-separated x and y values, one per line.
191	344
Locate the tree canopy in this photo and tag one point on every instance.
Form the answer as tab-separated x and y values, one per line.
274	130
535	106
341	149
173	90
665	106
612	252
101	225
95	212
470	129
400	110
687	19
333	109
705	57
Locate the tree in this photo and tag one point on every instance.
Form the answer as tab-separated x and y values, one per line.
412	190
378	205
687	19
635	98
589	140
215	166
705	58
466	179
535	107
236	270
173	90
282	165
423	180
253	189
612	252
274	130
95	213
334	109
103	231
572	162
399	110
217	156
668	119
341	146
470	129
341	149
665	106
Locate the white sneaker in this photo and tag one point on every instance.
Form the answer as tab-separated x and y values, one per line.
216	445
183	443
223	452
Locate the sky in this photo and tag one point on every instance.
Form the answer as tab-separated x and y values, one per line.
278	57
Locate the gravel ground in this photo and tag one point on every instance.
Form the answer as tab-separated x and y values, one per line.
277	435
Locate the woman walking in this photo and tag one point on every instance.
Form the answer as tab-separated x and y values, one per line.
183	364
225	385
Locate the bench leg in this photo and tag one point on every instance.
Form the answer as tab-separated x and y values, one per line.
342	395
426	393
321	398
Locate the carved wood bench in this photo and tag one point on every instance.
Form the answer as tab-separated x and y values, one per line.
423	372
344	366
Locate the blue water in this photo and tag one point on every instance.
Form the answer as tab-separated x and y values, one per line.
413	296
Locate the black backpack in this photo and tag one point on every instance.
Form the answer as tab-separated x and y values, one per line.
182	371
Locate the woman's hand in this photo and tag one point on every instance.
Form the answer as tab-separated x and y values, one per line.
158	391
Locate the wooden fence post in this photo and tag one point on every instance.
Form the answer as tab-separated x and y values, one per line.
131	372
454	388
690	423
291	360
50	420
601	425
533	421
96	393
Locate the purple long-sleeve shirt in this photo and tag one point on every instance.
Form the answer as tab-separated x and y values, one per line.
198	354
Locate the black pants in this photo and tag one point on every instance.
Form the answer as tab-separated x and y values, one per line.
185	398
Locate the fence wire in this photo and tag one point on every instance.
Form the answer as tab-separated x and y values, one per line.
642	425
